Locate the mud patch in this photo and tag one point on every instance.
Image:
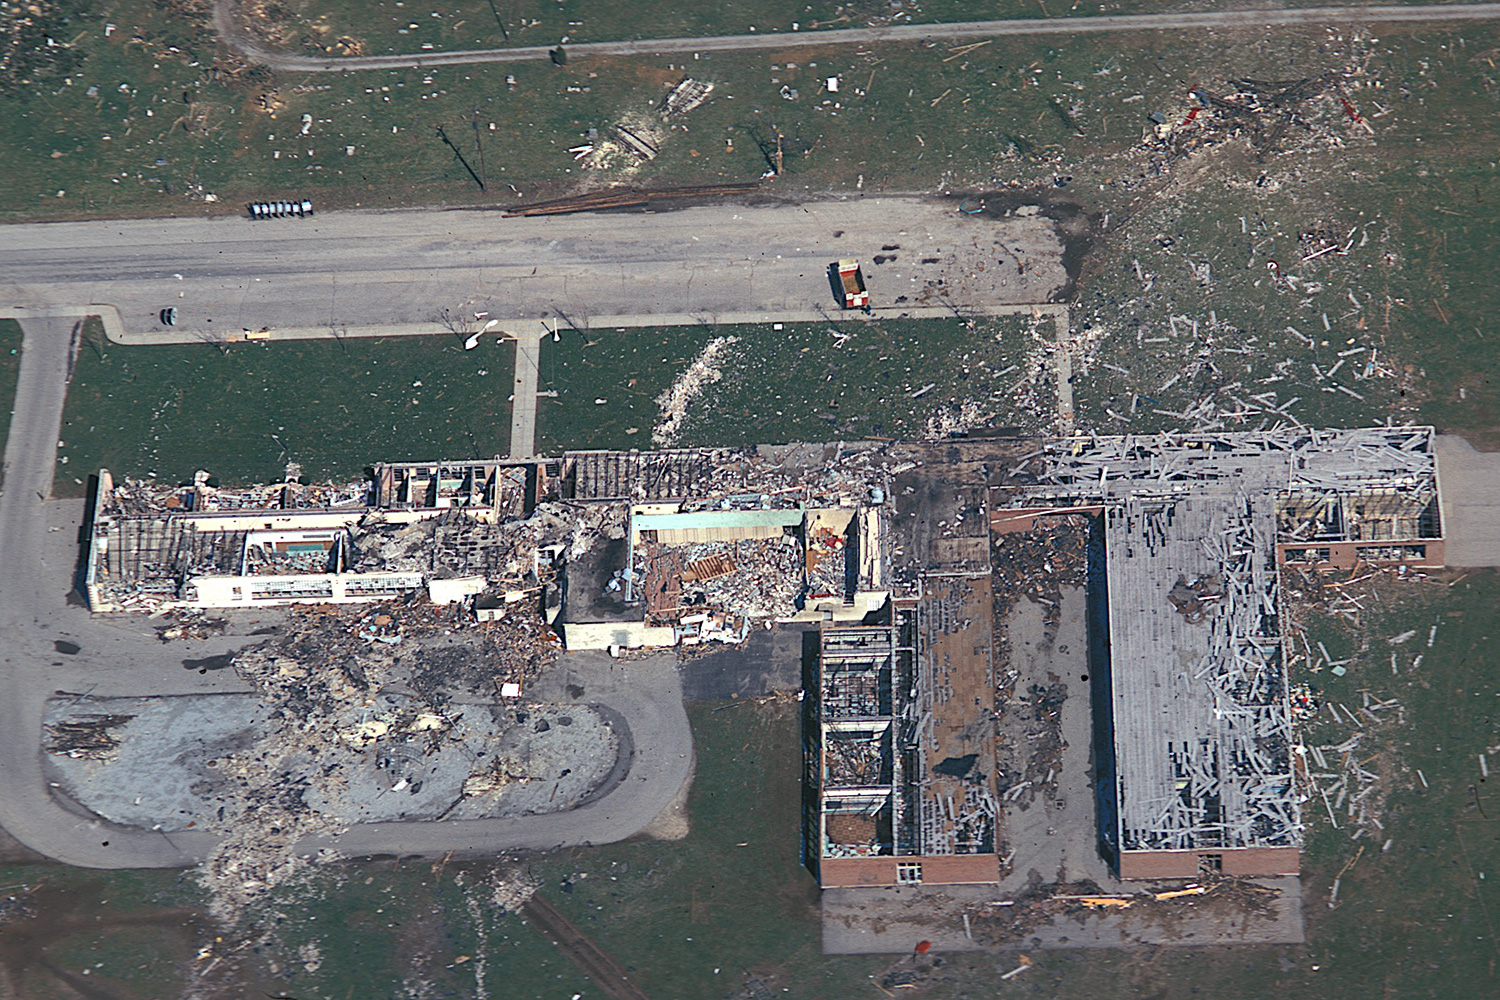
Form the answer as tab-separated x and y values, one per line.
1076	229
45	921
208	663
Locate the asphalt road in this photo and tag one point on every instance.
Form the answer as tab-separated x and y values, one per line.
246	45
391	272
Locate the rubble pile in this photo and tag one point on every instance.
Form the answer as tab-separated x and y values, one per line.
457	545
854	760
147	496
687	95
1263	111
958	417
87	738
1039	564
1005	922
827	570
673	403
637	136
750	579
766	583
330	681
191	624
1036	565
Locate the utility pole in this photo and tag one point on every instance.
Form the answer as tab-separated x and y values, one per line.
499	20
474	120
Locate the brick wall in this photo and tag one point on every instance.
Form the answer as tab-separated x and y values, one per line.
1233	861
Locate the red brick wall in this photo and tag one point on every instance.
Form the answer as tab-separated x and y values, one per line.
959	868
1184	864
1347	555
838	873
947	869
1003	522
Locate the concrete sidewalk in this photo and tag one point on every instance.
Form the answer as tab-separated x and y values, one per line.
1469	482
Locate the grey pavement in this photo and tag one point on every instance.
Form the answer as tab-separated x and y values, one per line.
768	661
430	271
241	41
1469	481
647	694
1055	835
523	396
170	770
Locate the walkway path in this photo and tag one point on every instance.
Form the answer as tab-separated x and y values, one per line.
523	399
240	40
1470	484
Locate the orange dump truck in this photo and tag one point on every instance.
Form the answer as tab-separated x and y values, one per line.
856	296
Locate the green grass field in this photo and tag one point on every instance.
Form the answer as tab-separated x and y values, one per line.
10	369
802	383
71	932
243	411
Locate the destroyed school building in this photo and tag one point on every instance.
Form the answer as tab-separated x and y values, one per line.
1193	756
890	550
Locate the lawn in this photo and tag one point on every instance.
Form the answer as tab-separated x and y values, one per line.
10	370
71	932
807	382
243	411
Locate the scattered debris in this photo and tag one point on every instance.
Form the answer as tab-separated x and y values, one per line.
88	738
674	402
627	198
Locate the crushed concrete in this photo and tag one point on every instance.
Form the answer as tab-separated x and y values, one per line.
180	761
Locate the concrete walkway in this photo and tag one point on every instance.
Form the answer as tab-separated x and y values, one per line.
1470	484
523	398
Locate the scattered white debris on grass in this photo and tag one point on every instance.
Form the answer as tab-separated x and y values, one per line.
703	372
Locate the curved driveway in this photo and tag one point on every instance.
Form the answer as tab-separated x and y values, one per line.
241	41
121	656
